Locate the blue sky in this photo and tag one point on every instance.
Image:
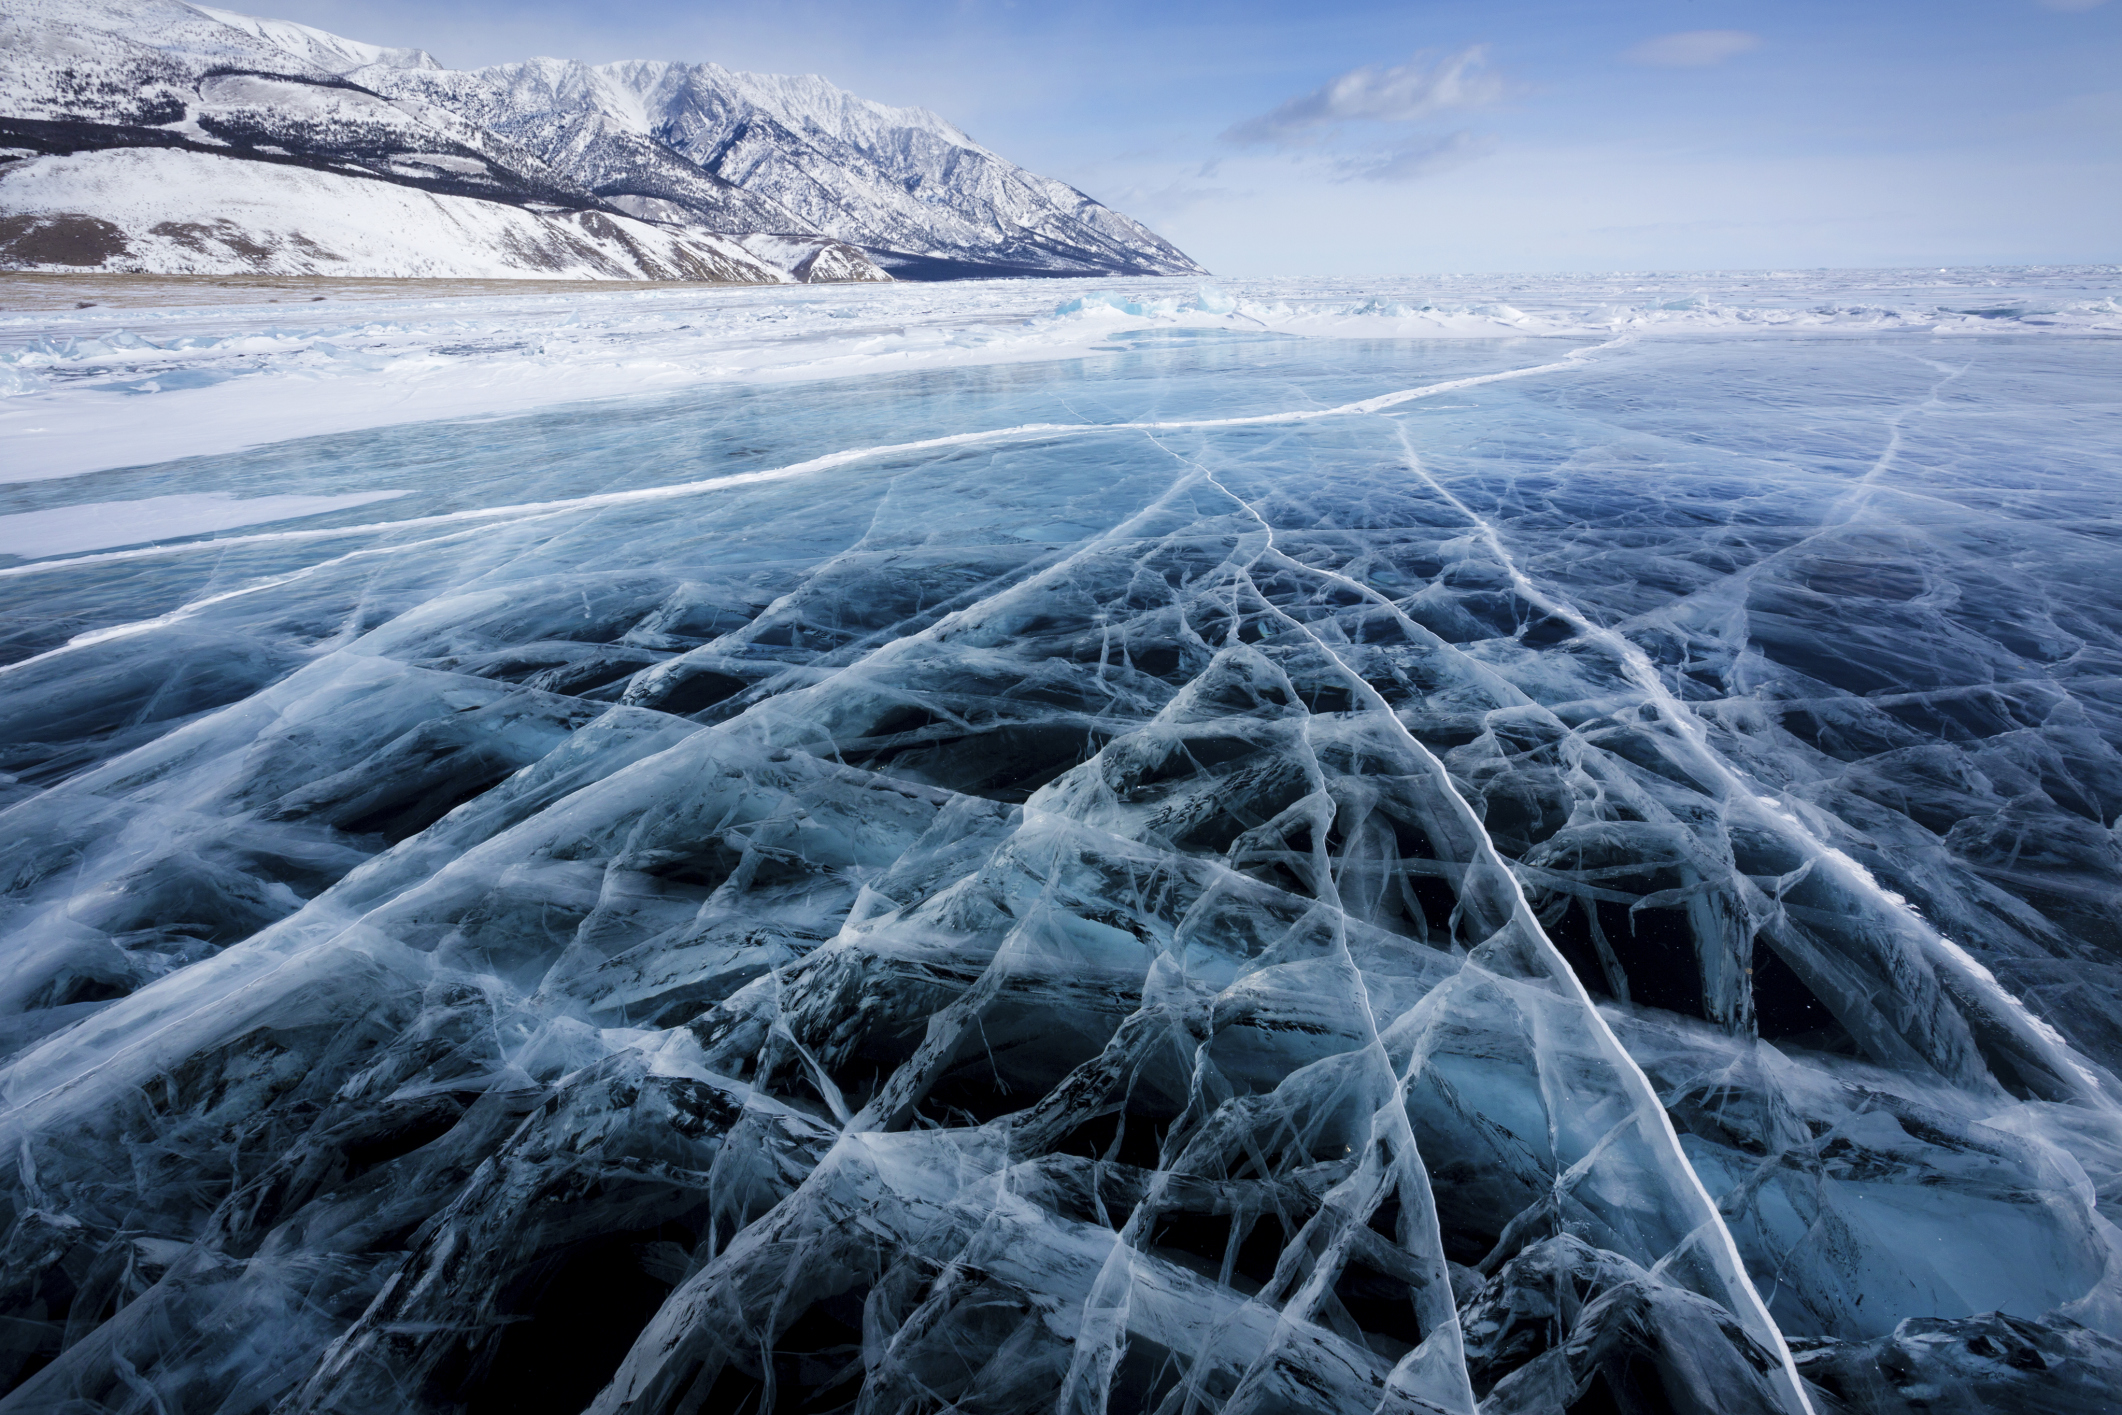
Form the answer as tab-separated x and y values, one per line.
1513	135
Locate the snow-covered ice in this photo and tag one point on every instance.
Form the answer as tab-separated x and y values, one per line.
1517	845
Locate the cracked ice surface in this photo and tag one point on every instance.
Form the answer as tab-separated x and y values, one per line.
1254	867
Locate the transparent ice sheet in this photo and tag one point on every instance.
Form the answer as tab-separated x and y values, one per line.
1175	880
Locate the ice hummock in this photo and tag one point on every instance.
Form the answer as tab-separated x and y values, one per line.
1119	860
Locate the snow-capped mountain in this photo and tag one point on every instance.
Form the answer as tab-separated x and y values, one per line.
902	183
154	135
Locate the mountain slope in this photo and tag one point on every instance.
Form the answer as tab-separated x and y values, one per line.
165	211
556	113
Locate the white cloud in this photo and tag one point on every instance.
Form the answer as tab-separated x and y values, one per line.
1402	93
1696	48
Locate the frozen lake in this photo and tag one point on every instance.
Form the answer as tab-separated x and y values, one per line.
1067	845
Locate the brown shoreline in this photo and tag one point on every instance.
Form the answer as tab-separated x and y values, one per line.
23	291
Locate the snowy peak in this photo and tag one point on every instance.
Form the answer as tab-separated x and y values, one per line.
813	104
318	49
564	86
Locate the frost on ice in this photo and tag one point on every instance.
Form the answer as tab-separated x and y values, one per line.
1163	881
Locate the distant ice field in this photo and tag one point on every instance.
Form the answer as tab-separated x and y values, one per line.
1595	785
226	377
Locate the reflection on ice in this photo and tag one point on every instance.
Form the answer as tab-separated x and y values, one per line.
1182	879
71	529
